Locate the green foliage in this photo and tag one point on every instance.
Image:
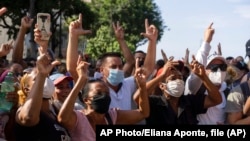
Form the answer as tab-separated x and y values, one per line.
104	41
131	14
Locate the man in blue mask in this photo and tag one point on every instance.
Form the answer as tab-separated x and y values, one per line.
120	88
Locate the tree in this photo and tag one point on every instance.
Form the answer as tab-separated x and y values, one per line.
59	9
131	14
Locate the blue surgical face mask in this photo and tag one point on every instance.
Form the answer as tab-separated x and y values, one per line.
115	76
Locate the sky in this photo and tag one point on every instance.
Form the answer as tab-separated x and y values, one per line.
187	20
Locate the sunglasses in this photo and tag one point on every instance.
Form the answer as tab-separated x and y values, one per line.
215	67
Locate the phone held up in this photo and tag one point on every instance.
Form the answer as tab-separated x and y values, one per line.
44	22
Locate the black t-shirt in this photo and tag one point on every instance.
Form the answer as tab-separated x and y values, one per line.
47	129
162	113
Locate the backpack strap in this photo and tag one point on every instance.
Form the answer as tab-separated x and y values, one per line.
245	89
107	116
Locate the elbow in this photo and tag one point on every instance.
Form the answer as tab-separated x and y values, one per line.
28	120
218	99
146	114
62	119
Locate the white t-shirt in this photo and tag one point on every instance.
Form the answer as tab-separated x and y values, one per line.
216	114
123	98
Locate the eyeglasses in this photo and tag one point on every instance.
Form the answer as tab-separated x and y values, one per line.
215	67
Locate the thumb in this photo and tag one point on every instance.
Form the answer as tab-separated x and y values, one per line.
145	35
55	63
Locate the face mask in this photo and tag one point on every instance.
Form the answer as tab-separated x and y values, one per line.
175	88
217	77
48	88
115	76
100	103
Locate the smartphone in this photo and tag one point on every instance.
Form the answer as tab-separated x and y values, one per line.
44	23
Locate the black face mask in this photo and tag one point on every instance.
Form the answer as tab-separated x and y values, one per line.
100	103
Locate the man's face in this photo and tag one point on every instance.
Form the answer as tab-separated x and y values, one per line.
111	63
215	65
141	56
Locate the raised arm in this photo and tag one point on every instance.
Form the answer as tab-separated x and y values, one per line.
213	98
193	82
67	116
153	83
75	30
129	58
28	113
135	116
17	55
151	34
5	49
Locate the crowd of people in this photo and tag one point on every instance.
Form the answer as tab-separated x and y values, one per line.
62	102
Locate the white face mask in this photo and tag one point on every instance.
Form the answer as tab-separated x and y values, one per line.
175	88
217	77
48	88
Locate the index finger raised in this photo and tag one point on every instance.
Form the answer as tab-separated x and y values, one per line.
80	18
211	24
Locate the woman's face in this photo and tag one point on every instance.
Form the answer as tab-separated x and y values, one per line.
95	89
62	90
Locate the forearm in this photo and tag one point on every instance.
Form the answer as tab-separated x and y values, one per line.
72	56
143	101
129	58
214	95
244	121
203	53
67	108
149	62
17	55
29	113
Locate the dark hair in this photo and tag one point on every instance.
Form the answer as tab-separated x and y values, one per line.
160	63
229	58
139	51
85	91
109	54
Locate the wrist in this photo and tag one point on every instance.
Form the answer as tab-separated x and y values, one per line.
23	29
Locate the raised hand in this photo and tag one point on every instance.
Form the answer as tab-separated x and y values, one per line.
26	22
75	27
119	32
208	36
43	44
5	48
44	65
197	68
151	31
82	67
139	75
3	10
169	65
